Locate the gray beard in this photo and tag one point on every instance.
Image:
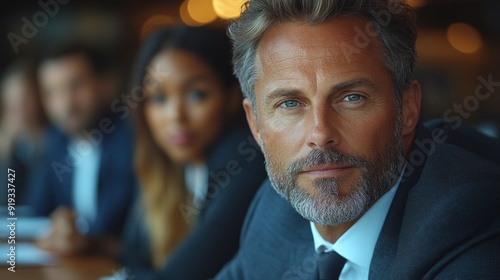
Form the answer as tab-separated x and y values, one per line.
325	207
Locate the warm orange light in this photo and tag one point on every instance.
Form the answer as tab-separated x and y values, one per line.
201	11
154	22
228	9
185	17
464	38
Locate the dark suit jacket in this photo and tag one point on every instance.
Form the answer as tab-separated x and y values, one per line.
444	223
236	170
51	186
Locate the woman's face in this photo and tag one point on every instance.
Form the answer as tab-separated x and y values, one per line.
20	110
185	105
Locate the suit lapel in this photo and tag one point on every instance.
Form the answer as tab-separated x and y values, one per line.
387	244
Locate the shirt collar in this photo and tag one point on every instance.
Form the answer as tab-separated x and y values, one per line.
196	177
357	244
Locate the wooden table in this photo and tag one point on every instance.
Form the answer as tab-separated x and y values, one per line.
68	268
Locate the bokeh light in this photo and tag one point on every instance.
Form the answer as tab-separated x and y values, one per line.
464	38
228	9
186	17
201	11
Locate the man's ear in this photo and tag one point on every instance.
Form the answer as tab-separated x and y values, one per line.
252	120
410	108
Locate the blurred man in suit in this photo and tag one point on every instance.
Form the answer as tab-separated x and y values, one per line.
358	188
86	181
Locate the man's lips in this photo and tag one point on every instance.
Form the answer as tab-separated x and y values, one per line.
329	170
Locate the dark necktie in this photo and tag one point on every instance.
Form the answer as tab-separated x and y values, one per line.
330	265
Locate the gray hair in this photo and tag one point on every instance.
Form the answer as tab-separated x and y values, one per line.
393	21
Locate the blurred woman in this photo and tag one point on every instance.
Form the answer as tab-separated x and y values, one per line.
22	123
197	164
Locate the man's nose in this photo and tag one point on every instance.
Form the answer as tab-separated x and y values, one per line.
323	133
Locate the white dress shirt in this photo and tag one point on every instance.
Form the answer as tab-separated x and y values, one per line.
357	244
196	177
87	160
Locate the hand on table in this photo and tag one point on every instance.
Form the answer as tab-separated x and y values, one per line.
63	238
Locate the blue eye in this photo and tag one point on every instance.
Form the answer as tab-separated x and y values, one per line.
353	97
196	95
290	104
157	98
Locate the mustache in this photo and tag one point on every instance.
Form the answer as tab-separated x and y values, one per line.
318	157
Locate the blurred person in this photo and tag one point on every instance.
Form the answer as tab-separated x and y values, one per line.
358	187
22	123
197	164
86	181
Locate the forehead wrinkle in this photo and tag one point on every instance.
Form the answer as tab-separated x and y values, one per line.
292	58
284	49
280	50
287	61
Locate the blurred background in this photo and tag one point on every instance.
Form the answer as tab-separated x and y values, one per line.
458	67
458	40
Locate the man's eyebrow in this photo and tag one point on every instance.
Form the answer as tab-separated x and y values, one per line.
350	84
354	83
283	92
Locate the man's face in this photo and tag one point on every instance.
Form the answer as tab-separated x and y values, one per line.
329	124
70	92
